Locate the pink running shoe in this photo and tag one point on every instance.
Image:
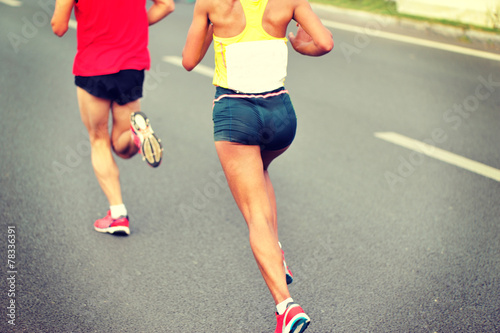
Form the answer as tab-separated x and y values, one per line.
294	320
289	275
145	139
113	226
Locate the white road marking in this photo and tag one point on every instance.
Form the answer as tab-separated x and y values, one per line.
200	69
440	154
336	25
12	3
412	40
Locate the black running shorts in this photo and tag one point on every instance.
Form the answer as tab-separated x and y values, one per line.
122	87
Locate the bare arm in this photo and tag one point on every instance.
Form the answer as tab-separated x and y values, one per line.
199	37
312	37
62	14
159	10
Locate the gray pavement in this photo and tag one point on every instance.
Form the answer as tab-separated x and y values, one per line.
380	239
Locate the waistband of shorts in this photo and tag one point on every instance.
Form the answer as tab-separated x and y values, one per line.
122	71
221	93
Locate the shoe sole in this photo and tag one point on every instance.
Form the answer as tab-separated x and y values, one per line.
114	230
300	325
151	148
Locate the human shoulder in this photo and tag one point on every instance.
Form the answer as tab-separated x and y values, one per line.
301	8
207	5
285	7
223	12
288	4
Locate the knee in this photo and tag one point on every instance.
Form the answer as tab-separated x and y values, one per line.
260	222
99	138
98	133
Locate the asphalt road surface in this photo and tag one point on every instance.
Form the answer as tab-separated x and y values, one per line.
382	232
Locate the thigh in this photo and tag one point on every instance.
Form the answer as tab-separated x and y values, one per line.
269	155
121	117
128	84
94	112
242	165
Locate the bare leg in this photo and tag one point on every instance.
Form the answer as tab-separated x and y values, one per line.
121	138
248	181
94	112
267	158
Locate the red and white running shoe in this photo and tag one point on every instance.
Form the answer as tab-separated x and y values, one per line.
293	320
145	139
113	226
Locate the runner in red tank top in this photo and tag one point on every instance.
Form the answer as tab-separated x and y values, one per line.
111	36
112	55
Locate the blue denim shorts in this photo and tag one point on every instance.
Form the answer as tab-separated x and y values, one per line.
122	87
264	119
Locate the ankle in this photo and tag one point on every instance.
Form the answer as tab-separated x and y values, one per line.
281	307
118	210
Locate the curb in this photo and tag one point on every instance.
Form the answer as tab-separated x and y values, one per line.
436	28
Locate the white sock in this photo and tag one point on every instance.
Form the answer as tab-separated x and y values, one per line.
117	211
280	308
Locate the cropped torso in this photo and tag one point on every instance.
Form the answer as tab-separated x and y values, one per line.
252	61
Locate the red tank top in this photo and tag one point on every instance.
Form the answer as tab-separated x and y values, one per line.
112	35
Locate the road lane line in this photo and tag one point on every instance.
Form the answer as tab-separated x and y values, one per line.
412	40
440	154
12	3
200	69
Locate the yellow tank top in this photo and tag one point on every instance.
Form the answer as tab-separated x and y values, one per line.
252	61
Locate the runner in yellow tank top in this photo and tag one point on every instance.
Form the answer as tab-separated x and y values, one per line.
258	63
251	58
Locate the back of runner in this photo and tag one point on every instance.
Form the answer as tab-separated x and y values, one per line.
254	120
112	55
